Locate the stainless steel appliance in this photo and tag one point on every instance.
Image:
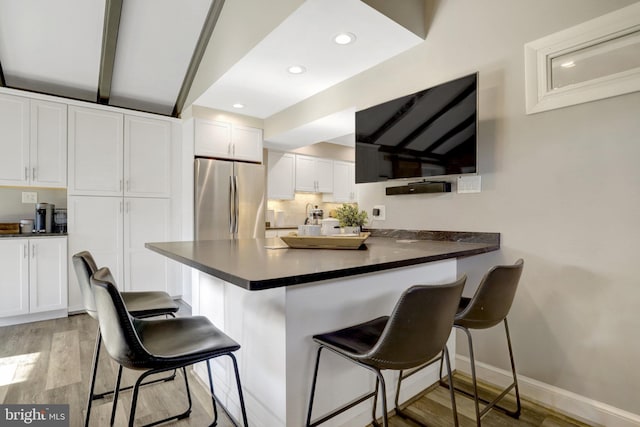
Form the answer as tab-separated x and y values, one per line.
229	200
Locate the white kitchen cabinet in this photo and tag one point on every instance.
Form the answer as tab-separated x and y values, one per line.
33	142
147	157
111	154
48	144
280	175
34	279
95	152
224	140
344	183
146	220
14	280
114	230
314	174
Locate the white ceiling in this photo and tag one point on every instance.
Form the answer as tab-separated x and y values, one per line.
260	80
52	46
55	47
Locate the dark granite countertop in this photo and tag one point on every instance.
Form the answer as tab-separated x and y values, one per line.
32	235
248	264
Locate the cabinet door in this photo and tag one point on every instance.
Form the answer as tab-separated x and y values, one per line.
212	138
14	140
280	175
146	220
95	225
246	143
305	173
14	280
48	151
324	175
344	186
95	152
147	157
47	274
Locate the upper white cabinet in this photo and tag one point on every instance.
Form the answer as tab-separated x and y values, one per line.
33	142
95	152
147	157
227	140
280	175
48	144
344	183
314	174
111	154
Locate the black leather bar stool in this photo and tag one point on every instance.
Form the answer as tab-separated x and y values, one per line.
157	345
415	333
488	307
139	304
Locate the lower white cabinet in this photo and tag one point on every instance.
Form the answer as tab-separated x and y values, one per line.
34	276
114	230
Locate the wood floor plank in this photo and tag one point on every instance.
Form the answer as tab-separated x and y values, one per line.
50	362
64	360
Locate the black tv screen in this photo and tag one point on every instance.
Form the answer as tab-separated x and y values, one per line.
426	134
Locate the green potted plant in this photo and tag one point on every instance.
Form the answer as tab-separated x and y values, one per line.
350	218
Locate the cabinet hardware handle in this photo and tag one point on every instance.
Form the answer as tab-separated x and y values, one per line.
33	174
234	149
128	185
229	148
26	173
121	207
24	251
33	251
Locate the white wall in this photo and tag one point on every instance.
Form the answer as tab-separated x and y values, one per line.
561	186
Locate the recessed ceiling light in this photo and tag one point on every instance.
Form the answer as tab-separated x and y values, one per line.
296	69
238	105
344	38
568	64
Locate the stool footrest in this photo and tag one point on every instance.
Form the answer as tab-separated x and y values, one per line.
343	408
489	404
102	395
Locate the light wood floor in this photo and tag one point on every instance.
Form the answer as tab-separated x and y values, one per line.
49	362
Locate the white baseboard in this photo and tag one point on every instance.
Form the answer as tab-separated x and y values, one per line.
560	400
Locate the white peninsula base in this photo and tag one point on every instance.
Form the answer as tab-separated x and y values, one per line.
275	326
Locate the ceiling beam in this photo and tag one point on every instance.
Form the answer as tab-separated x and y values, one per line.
198	53
113	9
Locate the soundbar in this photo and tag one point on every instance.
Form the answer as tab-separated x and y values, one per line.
420	187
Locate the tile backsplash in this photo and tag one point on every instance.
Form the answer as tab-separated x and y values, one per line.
295	211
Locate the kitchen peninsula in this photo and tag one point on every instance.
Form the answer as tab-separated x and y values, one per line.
273	300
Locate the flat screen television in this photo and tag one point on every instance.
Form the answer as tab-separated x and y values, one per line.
431	133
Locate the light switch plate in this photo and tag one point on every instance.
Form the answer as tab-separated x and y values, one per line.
381	213
469	184
29	197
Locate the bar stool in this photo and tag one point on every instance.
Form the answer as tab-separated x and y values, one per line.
415	333
488	307
142	344
139	304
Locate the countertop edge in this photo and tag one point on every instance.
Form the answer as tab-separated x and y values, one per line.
257	285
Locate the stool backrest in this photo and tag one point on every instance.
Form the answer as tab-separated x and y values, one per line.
493	298
418	327
85	266
117	327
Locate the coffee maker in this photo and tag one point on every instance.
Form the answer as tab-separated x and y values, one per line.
44	218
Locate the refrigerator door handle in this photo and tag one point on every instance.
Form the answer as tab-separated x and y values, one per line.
236	203
231	207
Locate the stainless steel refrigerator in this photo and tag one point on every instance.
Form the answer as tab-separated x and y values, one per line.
229	199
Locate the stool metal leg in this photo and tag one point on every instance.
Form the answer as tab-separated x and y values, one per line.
94	371
242	407
213	395
116	391
313	386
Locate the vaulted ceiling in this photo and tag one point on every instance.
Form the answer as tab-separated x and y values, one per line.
160	56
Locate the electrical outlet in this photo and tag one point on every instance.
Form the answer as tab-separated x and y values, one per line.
29	197
378	213
469	184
